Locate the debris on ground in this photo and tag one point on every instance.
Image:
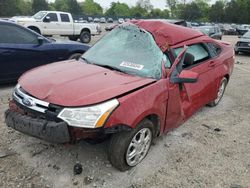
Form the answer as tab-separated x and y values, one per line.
77	169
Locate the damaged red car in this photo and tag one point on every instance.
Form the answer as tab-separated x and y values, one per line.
138	82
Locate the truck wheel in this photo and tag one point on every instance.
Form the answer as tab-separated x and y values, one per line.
75	56
85	37
73	38
220	93
127	149
35	29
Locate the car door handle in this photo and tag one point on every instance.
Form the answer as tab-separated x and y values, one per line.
211	64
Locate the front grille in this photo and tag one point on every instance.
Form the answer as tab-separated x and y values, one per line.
246	44
35	106
20	96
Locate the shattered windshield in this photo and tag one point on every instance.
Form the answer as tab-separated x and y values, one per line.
39	15
127	49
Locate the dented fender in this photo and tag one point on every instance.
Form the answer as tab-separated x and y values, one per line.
134	107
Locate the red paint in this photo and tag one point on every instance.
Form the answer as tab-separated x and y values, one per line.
77	84
72	83
167	34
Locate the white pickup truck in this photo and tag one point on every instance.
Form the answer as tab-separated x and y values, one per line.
50	23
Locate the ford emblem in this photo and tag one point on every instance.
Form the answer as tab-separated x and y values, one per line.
27	102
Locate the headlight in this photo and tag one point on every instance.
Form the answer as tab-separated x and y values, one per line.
88	117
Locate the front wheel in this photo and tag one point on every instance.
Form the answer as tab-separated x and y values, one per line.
220	93
127	149
85	37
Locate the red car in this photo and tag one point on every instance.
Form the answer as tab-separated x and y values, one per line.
139	81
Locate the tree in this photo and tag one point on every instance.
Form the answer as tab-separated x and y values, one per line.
8	8
138	12
61	5
24	7
39	5
74	7
191	12
118	10
217	12
68	6
89	7
204	9
158	13
171	4
145	4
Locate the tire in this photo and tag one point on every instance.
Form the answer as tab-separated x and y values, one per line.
122	144
75	56
73	38
237	52
220	93
85	37
35	29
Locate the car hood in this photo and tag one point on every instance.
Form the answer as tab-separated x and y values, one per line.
23	19
73	83
244	40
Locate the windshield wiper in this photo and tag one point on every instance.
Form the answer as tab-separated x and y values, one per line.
86	60
110	68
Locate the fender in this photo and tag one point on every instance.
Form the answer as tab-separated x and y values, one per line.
134	107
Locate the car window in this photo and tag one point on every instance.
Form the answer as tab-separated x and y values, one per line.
64	17
53	17
214	48
197	50
15	35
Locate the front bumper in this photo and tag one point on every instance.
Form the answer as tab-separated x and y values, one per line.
46	130
242	48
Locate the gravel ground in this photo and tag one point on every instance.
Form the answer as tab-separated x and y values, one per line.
212	149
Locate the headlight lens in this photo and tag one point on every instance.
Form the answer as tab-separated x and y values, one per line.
88	117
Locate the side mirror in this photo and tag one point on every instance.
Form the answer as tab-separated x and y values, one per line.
186	76
46	19
40	40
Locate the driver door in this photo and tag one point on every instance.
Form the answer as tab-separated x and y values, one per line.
187	98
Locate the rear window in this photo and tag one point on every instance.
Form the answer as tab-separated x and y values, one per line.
64	17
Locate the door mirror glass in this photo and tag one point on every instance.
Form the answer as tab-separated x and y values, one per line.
46	19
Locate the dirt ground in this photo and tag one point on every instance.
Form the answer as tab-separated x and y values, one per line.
212	149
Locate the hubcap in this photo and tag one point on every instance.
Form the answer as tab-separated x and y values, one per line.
220	92
139	146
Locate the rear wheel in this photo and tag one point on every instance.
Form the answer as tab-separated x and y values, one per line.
85	37
220	93
127	149
75	56
73	38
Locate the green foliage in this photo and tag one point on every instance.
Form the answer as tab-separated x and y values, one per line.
230	11
38	5
217	12
118	10
89	7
